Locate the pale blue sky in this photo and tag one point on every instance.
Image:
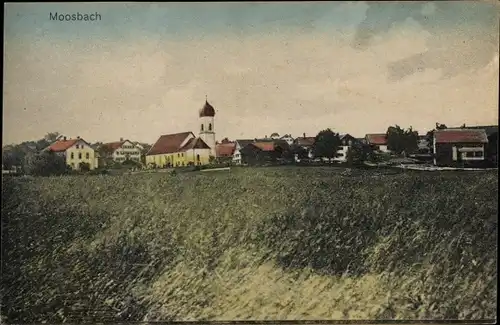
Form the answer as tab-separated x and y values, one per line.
352	66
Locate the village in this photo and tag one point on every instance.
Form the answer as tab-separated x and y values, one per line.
441	147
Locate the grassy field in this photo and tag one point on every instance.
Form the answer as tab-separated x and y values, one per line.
255	243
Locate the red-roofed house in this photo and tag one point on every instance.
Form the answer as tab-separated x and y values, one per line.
224	151
121	150
75	151
377	141
454	147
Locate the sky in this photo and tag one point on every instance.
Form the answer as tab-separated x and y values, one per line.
144	70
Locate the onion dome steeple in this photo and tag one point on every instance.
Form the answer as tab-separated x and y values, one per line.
207	110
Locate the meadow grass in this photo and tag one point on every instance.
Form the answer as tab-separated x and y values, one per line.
253	243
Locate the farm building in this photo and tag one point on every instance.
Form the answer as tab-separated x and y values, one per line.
262	152
225	151
377	141
458	147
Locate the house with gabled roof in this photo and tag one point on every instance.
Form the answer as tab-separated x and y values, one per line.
225	151
457	147
121	151
238	145
306	143
491	149
347	142
377	141
75	152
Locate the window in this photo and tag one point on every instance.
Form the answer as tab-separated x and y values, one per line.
72	156
202	127
469	154
478	154
87	155
79	155
210	127
178	155
198	157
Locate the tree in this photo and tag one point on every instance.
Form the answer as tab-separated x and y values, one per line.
299	152
326	144
356	154
45	164
51	137
400	140
430	135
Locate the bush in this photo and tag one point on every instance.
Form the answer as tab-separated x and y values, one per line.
46	163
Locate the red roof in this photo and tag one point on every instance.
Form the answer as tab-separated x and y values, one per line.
225	149
460	136
114	145
168	143
196	143
62	145
265	146
376	139
207	110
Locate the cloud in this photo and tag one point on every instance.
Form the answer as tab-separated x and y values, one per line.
284	82
451	46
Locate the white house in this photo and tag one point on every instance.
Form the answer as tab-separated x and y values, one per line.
122	150
288	138
239	144
378	141
347	142
306	143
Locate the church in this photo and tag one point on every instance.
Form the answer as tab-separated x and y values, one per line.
186	149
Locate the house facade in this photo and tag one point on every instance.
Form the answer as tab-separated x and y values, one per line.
347	142
459	147
491	149
377	141
306	143
225	151
75	152
288	139
121	151
238	145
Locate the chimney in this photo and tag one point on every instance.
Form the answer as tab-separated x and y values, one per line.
121	139
304	135
64	138
78	137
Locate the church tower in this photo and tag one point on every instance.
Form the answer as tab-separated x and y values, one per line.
206	125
